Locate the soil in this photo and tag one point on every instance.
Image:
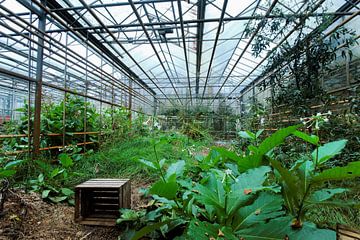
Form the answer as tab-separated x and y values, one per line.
27	216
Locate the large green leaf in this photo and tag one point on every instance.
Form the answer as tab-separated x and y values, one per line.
279	229
313	139
251	161
325	194
276	139
65	160
6	173
148	229
165	189
259	132
58	199
12	164
352	170
327	151
204	231
212	194
245	186
247	135
148	164
67	191
290	185
252	179
176	168
304	173
227	155
266	206
45	193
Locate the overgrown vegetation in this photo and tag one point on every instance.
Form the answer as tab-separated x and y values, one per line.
201	122
250	195
296	69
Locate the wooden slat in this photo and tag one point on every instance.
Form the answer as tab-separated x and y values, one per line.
345	233
49	134
48	148
101	200
98	222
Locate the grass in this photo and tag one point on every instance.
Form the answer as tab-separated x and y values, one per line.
119	159
329	217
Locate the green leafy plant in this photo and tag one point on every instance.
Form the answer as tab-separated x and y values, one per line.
50	182
226	195
8	167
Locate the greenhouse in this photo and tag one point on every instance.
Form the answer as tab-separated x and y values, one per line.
180	119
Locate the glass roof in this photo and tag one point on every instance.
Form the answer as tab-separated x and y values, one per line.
170	49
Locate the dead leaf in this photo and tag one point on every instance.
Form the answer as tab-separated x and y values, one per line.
247	191
296	224
15	217
220	233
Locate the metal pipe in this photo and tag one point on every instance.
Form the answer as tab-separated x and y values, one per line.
38	90
215	45
206	20
184	48
152	45
52	41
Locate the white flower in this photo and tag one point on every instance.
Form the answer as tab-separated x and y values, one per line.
228	171
329	112
326	120
262	121
318	114
301	119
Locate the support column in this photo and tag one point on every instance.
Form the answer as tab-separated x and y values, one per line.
130	100
155	107
39	78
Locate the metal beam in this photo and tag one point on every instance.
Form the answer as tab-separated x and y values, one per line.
64	48
70	20
346	7
184	48
215	44
246	47
152	45
199	40
206	20
52	41
39	78
114	4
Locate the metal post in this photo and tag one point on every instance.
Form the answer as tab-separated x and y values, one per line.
100	127
347	68
85	99
130	100
39	76
155	107
29	92
112	103
65	85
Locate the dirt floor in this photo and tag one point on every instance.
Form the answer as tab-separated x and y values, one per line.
27	216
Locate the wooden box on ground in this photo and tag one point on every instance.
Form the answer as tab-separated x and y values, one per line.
345	233
97	201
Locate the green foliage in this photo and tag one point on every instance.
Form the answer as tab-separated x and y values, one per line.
8	166
50	183
200	121
298	183
229	196
305	59
327	151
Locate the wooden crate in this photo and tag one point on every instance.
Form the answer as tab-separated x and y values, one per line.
345	233
97	201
